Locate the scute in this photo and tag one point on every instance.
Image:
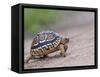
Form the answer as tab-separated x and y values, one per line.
44	38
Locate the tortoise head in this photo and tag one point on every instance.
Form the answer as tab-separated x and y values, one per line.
66	40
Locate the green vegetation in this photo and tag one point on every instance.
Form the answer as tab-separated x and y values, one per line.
37	19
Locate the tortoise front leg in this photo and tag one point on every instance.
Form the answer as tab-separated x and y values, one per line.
62	49
45	56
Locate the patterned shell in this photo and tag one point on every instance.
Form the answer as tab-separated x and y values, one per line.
45	39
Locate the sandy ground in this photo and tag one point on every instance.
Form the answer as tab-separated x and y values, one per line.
79	53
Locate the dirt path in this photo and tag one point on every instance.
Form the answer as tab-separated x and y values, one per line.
79	53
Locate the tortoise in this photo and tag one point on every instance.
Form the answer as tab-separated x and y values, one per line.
47	42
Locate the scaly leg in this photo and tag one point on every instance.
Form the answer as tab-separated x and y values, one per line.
45	56
28	58
62	49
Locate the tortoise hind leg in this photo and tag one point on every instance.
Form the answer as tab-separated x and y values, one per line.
62	49
28	58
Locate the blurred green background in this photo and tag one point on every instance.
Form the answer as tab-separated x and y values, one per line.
36	20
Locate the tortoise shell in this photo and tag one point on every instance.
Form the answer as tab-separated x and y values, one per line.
45	41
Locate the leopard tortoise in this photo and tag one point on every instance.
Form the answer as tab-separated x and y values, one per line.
46	42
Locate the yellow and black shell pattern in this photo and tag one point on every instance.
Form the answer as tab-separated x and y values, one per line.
45	42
